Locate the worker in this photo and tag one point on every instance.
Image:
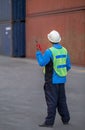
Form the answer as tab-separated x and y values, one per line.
56	61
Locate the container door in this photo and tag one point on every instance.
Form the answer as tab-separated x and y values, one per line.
5	39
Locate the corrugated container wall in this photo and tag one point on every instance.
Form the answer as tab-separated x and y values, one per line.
5	10
12	10
66	16
18	38
18	10
12	27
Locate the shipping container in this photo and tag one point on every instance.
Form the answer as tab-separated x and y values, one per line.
5	39
68	17
18	10
18	38
38	7
12	10
12	39
5	10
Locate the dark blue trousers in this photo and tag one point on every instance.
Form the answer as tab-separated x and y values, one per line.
56	98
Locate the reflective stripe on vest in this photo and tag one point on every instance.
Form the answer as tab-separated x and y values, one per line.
59	60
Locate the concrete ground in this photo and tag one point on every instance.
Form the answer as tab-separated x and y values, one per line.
22	102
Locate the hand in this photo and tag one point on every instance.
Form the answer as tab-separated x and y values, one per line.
38	47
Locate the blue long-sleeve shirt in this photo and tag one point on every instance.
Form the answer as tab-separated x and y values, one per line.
44	59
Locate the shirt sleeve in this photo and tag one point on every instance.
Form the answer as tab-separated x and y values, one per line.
68	62
43	59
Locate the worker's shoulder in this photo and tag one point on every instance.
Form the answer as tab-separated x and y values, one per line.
48	52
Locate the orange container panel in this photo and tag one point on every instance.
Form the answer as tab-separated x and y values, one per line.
37	6
71	27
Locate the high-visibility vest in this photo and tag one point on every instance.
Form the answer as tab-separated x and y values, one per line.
59	60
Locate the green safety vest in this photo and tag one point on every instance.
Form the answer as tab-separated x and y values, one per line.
59	60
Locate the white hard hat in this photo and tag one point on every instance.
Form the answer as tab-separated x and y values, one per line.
54	37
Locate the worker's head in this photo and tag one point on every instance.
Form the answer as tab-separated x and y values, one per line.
54	37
